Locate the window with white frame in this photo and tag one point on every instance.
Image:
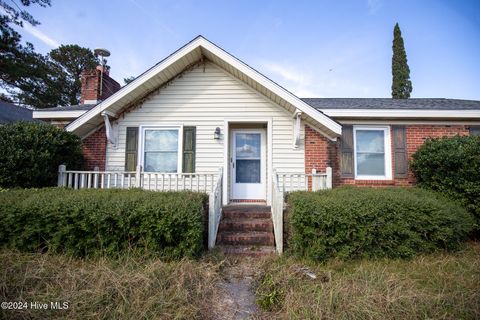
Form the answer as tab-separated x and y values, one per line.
161	149
372	153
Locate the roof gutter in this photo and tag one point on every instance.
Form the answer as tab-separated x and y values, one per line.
402	113
64	114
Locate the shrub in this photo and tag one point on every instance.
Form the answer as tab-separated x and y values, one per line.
103	222
30	154
451	166
363	222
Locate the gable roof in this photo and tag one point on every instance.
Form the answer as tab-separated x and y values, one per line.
75	107
194	51
12	113
389	103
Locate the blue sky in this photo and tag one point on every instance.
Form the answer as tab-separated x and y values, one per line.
312	48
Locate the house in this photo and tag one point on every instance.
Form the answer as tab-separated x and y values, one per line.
201	110
11	113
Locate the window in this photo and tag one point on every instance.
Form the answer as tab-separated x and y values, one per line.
475	130
161	149
372	153
247	157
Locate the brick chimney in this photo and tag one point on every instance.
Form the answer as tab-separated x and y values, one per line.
94	88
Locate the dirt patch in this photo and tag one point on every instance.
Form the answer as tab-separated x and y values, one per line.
236	292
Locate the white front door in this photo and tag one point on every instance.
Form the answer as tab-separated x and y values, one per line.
248	164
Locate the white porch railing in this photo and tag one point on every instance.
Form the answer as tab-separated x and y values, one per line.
277	213
210	183
290	181
201	182
215	210
286	182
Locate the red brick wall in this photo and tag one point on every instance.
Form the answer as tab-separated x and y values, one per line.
90	85
320	153
417	134
90	80
94	149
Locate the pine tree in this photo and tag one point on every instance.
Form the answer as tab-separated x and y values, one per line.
401	84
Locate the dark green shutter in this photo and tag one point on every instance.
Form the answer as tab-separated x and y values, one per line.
346	150
131	149
189	142
400	151
475	130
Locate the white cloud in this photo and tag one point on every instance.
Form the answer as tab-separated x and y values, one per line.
319	81
40	35
294	80
287	74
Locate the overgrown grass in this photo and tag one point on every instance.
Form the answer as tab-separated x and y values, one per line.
131	287
436	286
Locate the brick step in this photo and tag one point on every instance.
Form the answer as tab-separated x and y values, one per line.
246	238
246	208
246	225
246	212
231	214
247	251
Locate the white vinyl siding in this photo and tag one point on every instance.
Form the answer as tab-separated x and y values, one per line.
204	97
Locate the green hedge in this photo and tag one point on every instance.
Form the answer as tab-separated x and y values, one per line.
30	154
451	166
103	222
352	222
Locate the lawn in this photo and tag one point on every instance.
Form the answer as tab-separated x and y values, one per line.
131	287
435	286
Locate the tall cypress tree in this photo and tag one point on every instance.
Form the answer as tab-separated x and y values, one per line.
401	84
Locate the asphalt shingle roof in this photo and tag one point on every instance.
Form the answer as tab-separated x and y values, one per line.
12	113
77	107
388	103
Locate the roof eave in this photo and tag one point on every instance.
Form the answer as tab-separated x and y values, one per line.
61	114
401	114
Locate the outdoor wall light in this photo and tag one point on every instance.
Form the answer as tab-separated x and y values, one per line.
216	134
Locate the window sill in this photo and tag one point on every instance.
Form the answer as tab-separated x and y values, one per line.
374	182
373	178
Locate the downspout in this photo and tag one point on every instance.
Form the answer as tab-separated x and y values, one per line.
108	127
296	130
